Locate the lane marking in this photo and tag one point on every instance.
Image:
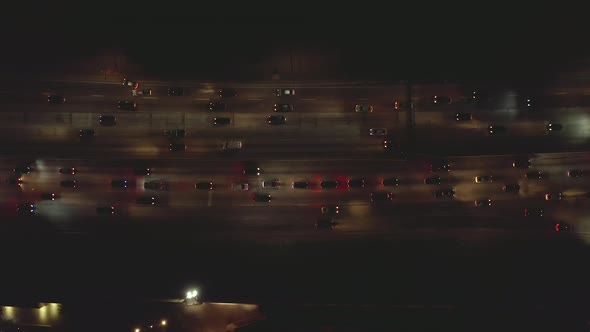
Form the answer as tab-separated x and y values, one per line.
210	198
363	98
255	99
308	99
97	96
201	99
561	93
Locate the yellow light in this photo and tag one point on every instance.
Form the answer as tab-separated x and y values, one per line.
163	322
137	330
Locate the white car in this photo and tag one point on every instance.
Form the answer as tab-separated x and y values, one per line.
133	84
377	131
240	186
284	92
140	93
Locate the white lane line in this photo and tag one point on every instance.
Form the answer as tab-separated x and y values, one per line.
512	95
201	99
255	99
561	93
309	99
363	98
210	198
97	96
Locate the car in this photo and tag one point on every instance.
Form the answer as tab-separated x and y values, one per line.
107	120
330	209
175	133
14	180
390	182
442	100
176	91
226	93
329	184
521	163
484	179
130	83
176	147
22	169
394	148
68	183
221	121
363	108
533	212
121	184
300	185
56	99
325	223
251	168
556	196
436	180
463	117
260	197
356	183
277	120
444	193
216	106
204	185
377	131
48	196
68	170
25	209
399	105
554	127
511	188
141	93
284	92
240	186
283	108
146	200
381	196
577	173
527	101
496	129
127	105
534	175
483	202
440	165
86	134
274	184
563	227
142	171
105	210
156	185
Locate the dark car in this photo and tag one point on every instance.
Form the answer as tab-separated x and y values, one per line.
104	210
441	165
107	120
22	169
356	183
495	129
521	163
325	223
251	168
533	212
442	100
277	120
14	180
156	185
68	170
390	182
25	209
127	105
463	117
146	200
397	104
511	188
329	184
577	173
484	202
283	107
259	197
394	148
300	185
330	209
226	93
444	193
217	106
381	196
175	91
142	171
204	185
68	183
48	196
563	227
56	99
86	133
175	133
534	175
120	183
433	180
221	121
272	184
554	127
175	147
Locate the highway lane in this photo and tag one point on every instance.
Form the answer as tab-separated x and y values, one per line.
297	209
